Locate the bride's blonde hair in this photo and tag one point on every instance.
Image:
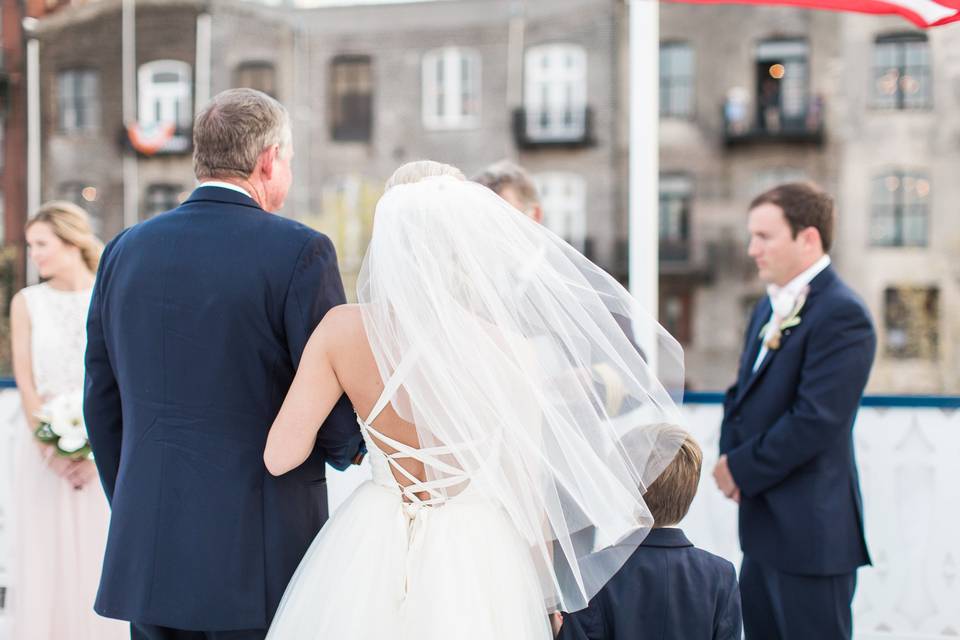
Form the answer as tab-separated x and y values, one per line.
421	169
72	225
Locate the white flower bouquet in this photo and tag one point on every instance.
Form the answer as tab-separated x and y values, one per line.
62	425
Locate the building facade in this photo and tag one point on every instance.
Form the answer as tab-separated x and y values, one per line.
865	106
749	97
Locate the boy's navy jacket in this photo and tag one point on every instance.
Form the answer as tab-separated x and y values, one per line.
667	590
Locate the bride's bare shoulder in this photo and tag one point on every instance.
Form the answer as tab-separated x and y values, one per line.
344	318
343	324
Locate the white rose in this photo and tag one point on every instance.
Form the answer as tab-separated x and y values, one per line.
65	413
71	443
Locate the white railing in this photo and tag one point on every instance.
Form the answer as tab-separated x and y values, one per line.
909	460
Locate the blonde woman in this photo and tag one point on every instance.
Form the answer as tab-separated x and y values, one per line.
61	513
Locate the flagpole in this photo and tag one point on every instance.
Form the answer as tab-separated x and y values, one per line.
644	169
128	31
34	143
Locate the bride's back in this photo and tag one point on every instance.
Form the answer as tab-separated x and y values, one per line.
356	369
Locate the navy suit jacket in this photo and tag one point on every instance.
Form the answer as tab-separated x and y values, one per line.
788	434
196	326
668	589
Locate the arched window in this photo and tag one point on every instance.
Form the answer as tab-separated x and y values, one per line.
165	94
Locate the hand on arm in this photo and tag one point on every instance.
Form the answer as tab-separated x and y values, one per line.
312	396
315	289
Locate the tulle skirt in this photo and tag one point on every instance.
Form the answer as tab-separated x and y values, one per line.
381	568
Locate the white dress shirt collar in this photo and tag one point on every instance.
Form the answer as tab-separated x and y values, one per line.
225	185
796	286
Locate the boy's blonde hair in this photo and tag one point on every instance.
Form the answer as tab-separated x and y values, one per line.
670	495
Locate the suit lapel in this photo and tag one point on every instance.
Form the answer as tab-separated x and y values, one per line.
752	347
750	377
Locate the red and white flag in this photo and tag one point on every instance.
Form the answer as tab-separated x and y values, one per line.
923	13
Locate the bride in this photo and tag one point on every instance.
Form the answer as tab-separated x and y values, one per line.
512	426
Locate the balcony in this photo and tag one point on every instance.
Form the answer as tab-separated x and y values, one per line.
773	125
544	129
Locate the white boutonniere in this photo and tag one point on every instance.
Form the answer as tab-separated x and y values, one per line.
772	332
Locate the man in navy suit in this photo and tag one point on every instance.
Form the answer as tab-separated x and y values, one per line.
786	440
667	589
197	323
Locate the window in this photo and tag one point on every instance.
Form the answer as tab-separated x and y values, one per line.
160	198
564	200
258	75
676	80
901	72
351	91
78	100
555	92
451	88
676	194
900	208
782	85
911	318
165	100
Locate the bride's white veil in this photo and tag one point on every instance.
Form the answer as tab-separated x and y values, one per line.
519	356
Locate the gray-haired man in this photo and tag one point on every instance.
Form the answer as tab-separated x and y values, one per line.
511	182
197	324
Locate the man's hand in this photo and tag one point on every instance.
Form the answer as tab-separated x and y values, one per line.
556	621
724	479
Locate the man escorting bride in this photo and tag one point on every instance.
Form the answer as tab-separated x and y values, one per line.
512	425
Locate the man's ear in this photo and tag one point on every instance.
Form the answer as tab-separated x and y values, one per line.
536	213
811	238
266	160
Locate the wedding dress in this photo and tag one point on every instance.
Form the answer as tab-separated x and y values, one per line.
538	422
390	564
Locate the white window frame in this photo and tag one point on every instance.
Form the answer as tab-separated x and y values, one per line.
563	196
451	88
555	92
167	102
676	84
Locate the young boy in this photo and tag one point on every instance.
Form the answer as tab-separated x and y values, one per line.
667	589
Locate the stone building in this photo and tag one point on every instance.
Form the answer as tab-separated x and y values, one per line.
749	97
865	106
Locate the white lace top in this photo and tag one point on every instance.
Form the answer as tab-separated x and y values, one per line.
58	337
